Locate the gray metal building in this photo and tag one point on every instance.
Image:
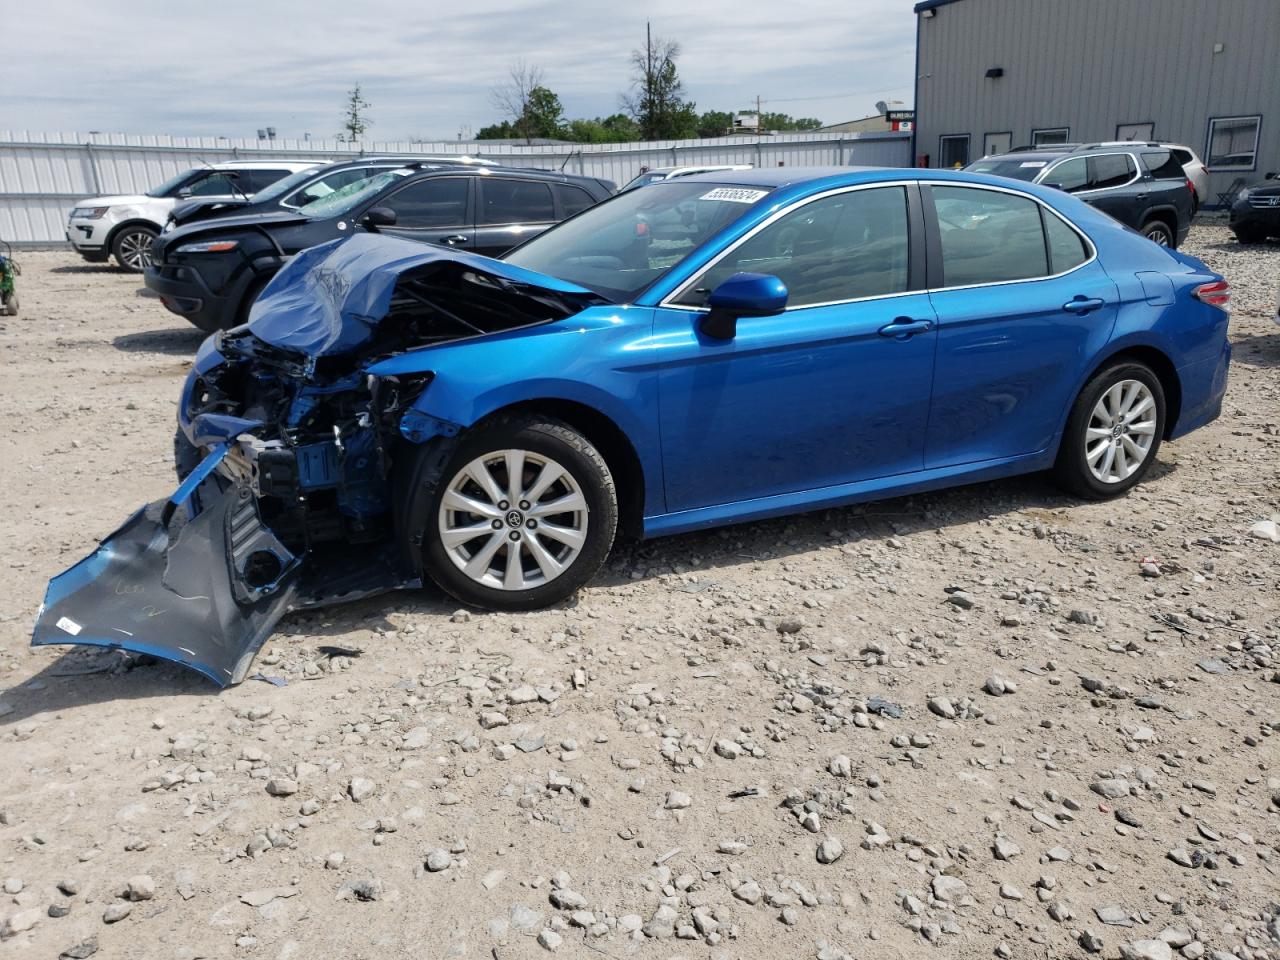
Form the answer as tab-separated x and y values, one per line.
995	74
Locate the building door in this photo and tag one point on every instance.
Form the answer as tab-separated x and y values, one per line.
953	151
995	144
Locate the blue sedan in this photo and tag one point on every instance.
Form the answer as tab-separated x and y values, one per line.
709	350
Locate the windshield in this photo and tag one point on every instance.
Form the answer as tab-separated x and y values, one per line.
174	182
341	201
1020	168
617	248
281	187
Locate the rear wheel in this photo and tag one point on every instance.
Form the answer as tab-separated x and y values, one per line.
1113	432
524	515
132	248
1158	232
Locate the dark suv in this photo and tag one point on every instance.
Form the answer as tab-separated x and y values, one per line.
211	271
1255	210
1141	184
303	187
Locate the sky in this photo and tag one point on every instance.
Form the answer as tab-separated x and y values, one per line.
229	67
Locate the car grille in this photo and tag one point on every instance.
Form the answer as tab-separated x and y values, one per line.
1265	201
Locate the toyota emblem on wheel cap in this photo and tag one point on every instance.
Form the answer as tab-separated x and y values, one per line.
514	519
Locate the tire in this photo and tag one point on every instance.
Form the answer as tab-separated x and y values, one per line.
10	305
1250	235
542	445
1073	470
132	247
1158	232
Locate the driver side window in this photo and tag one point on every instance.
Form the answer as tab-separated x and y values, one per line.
843	247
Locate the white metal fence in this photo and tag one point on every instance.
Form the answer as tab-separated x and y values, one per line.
43	175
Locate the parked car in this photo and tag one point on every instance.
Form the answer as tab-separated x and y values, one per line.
1255	211
395	411
1191	163
1142	186
124	226
301	188
658	174
211	271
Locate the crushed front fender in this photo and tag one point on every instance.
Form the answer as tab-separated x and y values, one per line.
172	589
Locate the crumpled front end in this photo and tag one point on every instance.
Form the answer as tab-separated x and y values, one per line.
306	460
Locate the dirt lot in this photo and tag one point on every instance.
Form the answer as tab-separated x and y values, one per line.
660	769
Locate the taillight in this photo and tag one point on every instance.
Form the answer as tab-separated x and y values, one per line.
1191	186
1216	294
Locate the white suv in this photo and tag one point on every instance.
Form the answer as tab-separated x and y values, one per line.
124	226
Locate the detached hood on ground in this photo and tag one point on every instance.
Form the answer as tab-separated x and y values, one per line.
331	298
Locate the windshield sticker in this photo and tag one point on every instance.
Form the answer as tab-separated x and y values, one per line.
1034	163
734	194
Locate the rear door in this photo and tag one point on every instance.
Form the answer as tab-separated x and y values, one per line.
510	210
1115	187
1022	306
433	209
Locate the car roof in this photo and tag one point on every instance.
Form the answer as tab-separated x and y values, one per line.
294	165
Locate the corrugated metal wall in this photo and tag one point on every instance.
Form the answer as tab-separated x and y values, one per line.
43	175
1094	64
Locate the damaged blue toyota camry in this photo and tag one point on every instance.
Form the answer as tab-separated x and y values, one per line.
714	349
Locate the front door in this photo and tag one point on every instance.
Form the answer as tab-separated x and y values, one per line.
433	210
1021	306
827	392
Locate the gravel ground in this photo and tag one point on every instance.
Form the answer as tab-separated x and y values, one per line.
963	724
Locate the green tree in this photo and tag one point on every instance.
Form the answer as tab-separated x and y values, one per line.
657	99
355	118
527	104
715	123
543	115
497	131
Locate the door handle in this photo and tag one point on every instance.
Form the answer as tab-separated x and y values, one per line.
454	239
1082	304
904	327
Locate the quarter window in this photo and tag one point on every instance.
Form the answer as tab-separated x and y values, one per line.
1233	143
1067	249
1163	165
434	202
516	201
843	247
988	236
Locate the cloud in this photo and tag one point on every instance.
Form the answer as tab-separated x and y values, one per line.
234	66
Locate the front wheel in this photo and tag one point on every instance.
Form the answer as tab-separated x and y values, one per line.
1250	235
524	515
1113	432
132	248
1158	232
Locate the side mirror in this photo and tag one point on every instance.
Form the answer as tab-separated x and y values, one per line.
378	217
1052	186
185	193
742	295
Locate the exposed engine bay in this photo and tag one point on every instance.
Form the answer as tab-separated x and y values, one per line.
298	465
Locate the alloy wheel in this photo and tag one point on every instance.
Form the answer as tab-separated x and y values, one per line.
135	249
1121	431
513	519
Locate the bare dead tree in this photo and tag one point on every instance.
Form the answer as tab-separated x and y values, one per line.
511	99
656	102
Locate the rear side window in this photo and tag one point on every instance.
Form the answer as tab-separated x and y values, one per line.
1110	170
218	184
573	199
434	202
515	201
1182	156
1067	249
1163	165
988	236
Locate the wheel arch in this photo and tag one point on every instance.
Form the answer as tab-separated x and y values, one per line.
1160	365
109	244
1166	215
606	436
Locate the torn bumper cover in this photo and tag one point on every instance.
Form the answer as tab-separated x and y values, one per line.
205	592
